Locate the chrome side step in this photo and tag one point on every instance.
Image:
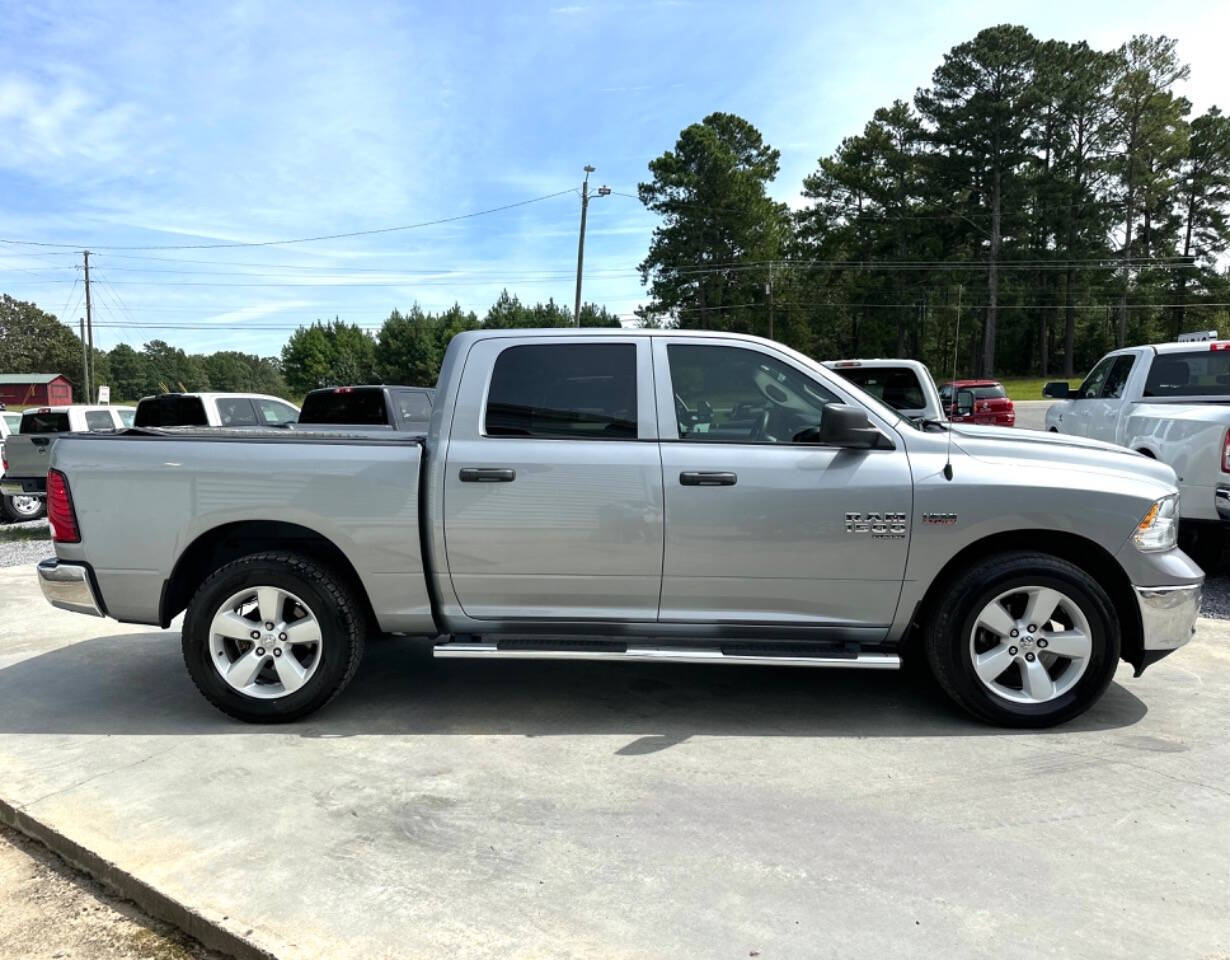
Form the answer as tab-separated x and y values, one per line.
475	651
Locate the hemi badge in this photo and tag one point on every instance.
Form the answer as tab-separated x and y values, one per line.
940	519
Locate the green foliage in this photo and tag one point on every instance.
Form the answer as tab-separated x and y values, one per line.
32	341
326	354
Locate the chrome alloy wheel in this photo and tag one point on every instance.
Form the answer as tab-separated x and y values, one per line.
26	506
1030	644
265	642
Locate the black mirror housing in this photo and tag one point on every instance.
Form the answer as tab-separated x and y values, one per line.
842	425
1057	390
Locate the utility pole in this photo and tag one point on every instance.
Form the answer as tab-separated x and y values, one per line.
602	192
89	324
770	292
85	360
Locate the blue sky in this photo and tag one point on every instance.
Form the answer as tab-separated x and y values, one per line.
162	124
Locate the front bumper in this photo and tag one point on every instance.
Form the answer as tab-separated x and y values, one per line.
68	586
1168	618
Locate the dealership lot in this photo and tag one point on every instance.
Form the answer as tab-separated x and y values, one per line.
572	809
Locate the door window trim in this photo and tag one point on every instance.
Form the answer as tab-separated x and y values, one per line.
646	414
664	391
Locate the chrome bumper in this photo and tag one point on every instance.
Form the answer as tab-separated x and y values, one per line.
67	586
1168	615
19	488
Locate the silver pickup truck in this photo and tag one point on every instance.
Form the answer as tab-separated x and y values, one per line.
632	495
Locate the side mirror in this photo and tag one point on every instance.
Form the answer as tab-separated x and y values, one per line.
1057	390
965	403
842	425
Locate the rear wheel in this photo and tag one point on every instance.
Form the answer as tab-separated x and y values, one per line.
18	509
1023	640
272	637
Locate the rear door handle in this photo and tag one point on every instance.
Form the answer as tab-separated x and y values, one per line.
488	474
707	478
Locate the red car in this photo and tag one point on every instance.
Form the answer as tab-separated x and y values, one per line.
978	401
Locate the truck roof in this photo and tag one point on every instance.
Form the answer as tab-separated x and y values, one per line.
69	407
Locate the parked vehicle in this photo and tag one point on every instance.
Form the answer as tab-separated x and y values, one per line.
19	507
1170	402
214	410
12	420
394	407
26	454
632	495
978	401
905	385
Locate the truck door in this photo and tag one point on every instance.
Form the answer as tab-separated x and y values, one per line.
1106	408
1078	418
553	481
761	527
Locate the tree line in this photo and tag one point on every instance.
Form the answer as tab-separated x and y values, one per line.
408	348
1039	203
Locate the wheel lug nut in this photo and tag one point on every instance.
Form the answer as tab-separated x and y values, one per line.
1041	642
1012	651
1014	632
268	626
1029	657
1032	627
256	634
260	651
282	637
277	651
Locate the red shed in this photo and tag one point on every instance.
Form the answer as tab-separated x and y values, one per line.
42	389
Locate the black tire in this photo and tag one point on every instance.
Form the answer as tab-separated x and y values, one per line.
337	611
955	611
12	514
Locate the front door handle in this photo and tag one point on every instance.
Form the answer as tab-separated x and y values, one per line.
707	478
488	474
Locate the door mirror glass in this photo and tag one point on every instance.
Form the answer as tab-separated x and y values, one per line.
965	403
1057	390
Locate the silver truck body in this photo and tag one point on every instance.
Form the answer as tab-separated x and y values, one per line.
605	537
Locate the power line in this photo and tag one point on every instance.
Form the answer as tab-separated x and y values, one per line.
279	243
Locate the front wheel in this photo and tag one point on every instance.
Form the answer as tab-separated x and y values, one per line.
1023	640
19	509
272	637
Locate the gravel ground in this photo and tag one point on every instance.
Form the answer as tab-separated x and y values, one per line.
24	543
47	909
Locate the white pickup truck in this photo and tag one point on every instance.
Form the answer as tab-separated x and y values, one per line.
905	385
1170	402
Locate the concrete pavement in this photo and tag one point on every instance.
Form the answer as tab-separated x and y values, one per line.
564	810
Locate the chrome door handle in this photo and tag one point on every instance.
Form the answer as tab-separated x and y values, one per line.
707	478
488	474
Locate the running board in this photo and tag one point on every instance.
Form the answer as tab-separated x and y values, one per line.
476	651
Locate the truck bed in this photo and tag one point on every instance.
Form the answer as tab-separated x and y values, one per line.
357	490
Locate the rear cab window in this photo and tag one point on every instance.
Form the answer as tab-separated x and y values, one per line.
98	420
34	421
898	387
1191	373
346	405
564	391
171	411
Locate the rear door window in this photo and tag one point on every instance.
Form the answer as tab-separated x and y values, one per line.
236	412
34	422
564	391
97	420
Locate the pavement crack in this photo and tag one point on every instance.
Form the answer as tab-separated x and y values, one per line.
84	780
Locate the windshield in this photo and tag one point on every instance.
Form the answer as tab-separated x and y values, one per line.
1200	373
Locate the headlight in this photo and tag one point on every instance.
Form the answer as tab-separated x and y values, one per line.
1159	528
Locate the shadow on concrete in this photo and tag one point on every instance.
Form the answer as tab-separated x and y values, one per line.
136	684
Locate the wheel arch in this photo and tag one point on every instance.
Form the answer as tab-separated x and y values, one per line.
230	541
1087	554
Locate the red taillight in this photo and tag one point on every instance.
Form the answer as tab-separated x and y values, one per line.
1225	453
60	514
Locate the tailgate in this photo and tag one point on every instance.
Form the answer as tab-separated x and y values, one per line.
27	457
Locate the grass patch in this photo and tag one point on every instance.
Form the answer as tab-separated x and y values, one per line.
16	534
1030	388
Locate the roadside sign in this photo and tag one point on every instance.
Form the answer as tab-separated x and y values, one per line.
104	394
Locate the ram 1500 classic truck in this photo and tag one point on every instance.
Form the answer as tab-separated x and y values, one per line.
632	495
1170	402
